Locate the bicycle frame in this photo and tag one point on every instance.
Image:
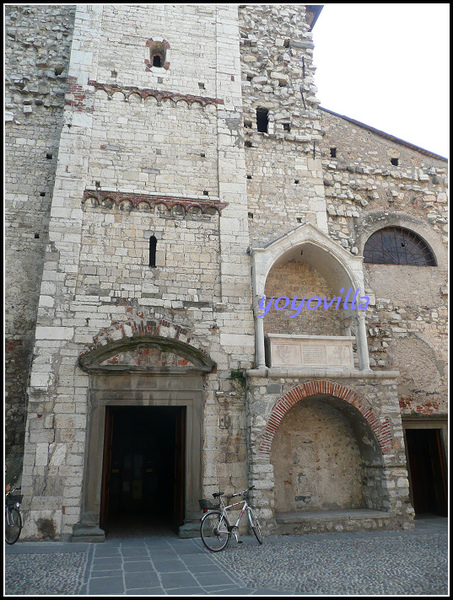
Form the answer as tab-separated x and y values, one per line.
233	529
215	528
244	508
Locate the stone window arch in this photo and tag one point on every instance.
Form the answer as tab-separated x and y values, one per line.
398	246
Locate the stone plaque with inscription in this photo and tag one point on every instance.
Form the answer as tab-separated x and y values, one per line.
312	351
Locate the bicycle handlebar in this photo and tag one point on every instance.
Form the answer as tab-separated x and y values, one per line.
243	492
218	494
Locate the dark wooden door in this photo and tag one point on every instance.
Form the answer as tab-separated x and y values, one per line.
427	471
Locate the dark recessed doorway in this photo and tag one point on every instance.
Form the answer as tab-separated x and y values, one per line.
428	478
143	470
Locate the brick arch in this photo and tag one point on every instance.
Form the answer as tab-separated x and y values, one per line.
139	326
382	430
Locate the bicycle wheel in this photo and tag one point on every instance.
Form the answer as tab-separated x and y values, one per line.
254	524
13	525
214	530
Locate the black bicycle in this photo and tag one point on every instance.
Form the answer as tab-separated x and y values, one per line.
13	519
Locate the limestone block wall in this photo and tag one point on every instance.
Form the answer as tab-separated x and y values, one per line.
284	176
37	49
365	191
114	190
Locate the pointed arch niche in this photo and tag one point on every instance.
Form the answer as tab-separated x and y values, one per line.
333	271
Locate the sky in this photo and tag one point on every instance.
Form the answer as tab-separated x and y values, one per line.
387	66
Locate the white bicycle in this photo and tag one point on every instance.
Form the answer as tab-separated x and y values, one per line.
215	528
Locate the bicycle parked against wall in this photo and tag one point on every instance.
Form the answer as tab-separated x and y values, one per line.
215	528
13	520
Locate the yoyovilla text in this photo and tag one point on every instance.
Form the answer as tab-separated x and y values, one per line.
357	303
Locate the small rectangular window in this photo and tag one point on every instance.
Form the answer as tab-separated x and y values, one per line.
262	119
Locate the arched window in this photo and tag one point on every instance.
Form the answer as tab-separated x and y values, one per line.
158	54
398	246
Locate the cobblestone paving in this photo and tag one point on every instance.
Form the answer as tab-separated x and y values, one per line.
44	574
373	563
382	563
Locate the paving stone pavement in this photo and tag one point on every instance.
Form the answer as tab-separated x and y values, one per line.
369	563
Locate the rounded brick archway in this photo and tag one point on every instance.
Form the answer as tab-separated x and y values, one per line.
381	428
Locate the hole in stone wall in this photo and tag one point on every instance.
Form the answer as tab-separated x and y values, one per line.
333	152
394	162
48	155
262	119
286	126
250	215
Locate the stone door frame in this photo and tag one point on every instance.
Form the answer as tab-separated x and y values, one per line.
140	389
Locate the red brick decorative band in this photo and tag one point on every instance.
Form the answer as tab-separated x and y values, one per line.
127	201
111	88
382	430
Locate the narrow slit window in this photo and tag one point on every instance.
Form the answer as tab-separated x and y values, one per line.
262	119
152	251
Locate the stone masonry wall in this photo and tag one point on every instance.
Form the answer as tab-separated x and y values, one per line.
37	50
118	183
298	280
283	174
407	318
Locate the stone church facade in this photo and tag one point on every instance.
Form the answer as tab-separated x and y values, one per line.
170	177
